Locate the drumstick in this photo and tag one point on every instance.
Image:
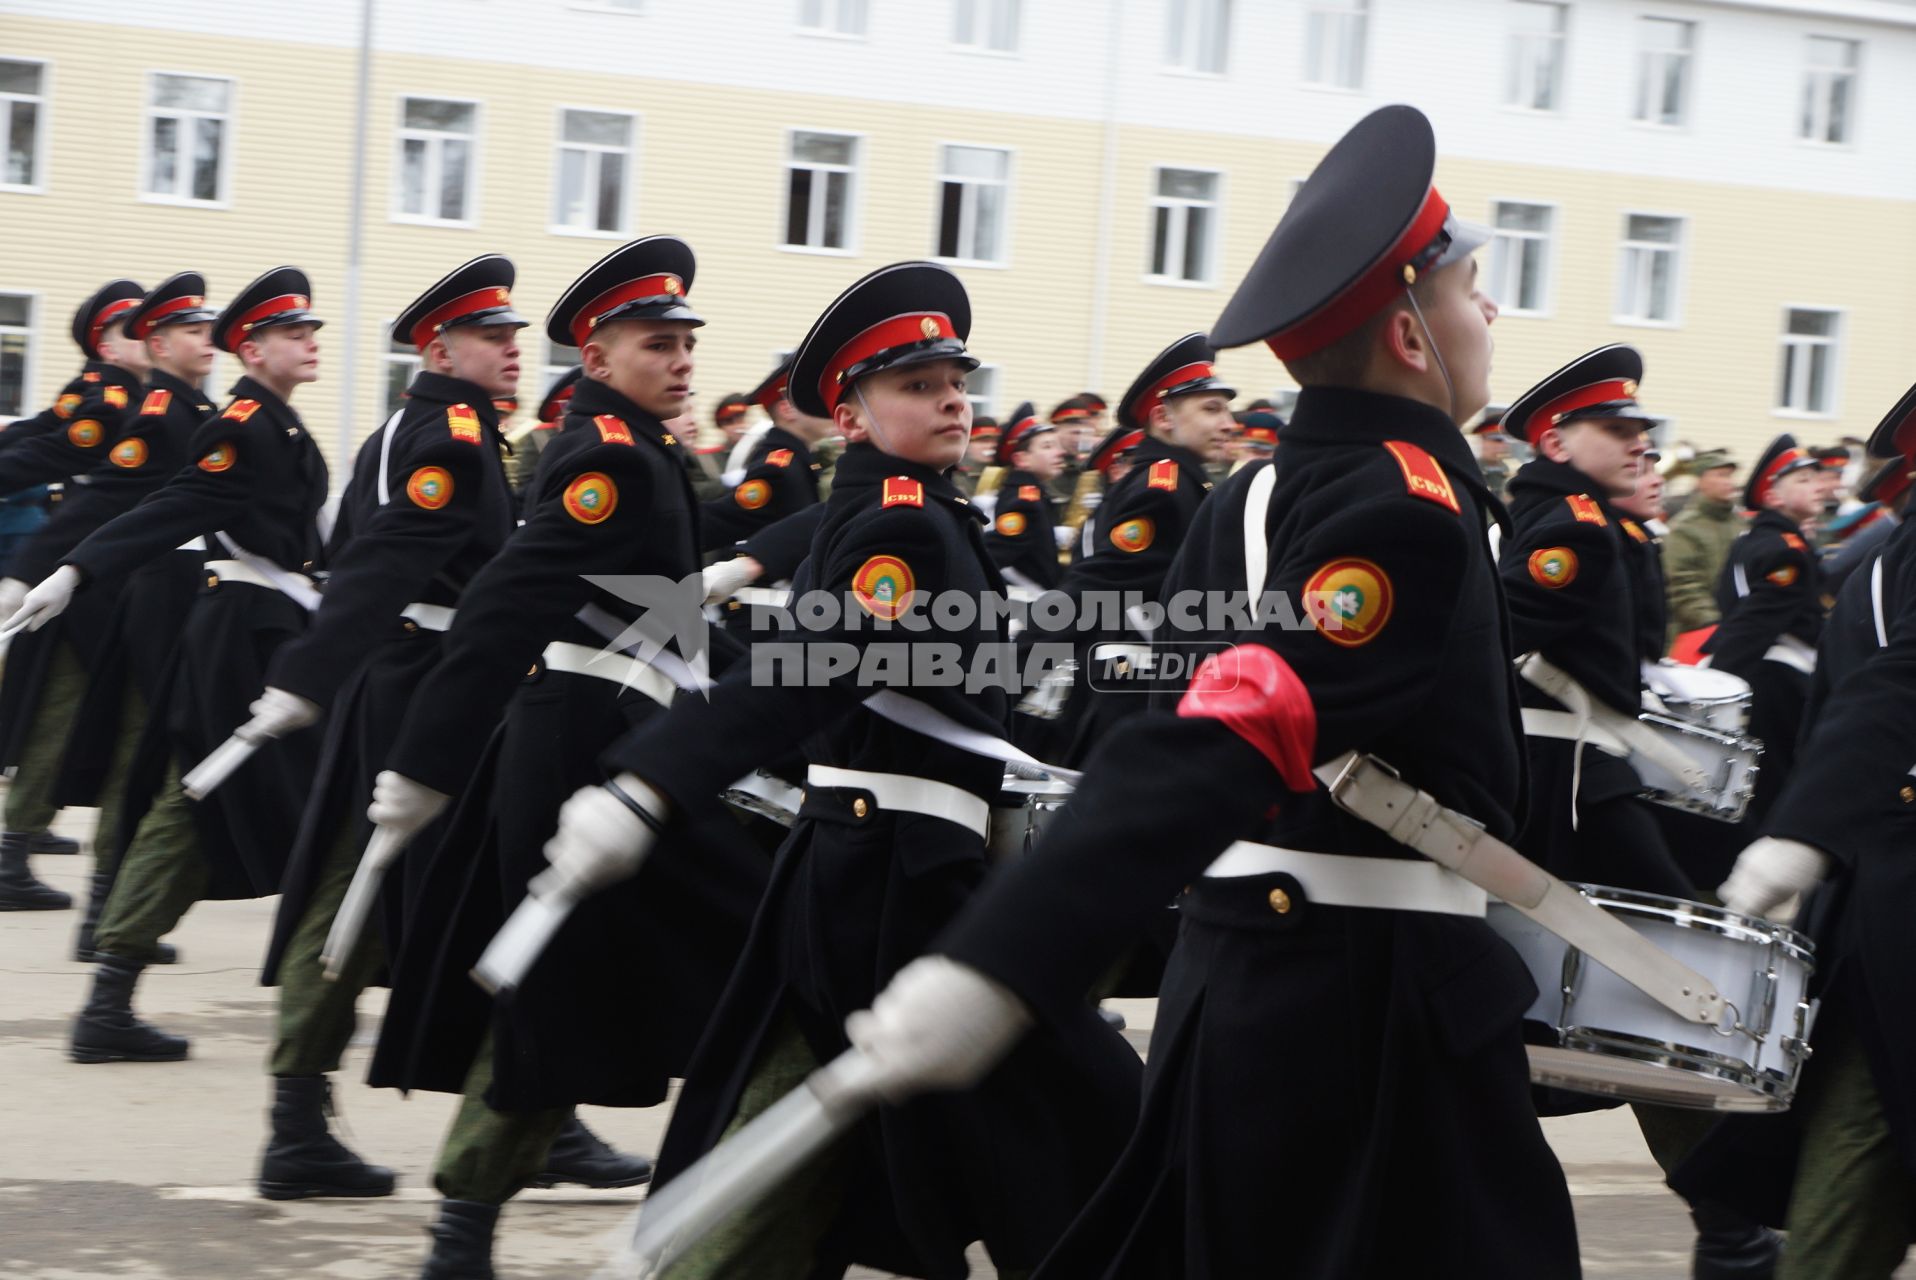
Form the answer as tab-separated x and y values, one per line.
220	764
382	850
516	947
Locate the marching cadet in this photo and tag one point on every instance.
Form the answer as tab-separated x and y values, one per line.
1770	598
888	846
1333	1088
427	505
1257	437
613	498
728	419
1492	446
176	327
780	479
1021	538
1642	523
46	673
1073	419
982	452
1884	495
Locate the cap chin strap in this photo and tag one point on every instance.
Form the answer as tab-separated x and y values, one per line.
871	419
1450	388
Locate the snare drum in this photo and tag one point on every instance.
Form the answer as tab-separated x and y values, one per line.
1729	762
1608	1038
767	796
1023	810
1702	696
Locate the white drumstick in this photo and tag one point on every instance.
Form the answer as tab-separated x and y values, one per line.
219	765
382	850
517	947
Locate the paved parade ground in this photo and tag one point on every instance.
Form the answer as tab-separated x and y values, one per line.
145	1171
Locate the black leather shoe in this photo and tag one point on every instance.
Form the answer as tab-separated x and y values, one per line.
579	1156
1731	1247
461	1241
48	843
303	1159
19	891
107	1031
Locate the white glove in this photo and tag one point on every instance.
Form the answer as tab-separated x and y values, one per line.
1769	872
48	600
12	593
1063	534
402	805
277	713
938	1025
600	840
723	579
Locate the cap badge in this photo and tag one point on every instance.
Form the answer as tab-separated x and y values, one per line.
928	327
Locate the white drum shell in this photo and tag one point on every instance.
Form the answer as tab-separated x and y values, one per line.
1730	761
1024	809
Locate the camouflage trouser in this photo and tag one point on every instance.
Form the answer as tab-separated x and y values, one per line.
161	875
317	1014
490	1155
30	806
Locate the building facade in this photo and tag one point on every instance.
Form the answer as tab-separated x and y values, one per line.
1727	184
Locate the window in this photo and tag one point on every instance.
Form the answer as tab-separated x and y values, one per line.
1184	225
1534	78
989	26
1663	70
16	353
593	169
1811	341
1647	275
819	172
972	192
186	118
1520	256
832	17
981	388
610	6
22	104
1334	33
1197	34
1829	89
402	361
437	147
559	362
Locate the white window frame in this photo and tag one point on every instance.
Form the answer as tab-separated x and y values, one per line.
854	191
1817	81
1518	63
981	16
1685	108
148	112
474	167
1360	9
983	403
30	373
387	359
1789	345
608	6
627	197
1180	226
1549	238
43	101
832	14
1189	58
1678	276
938	205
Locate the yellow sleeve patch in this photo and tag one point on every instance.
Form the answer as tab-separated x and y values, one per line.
1783	577
86	433
1553	567
221	458
129	453
1134	536
592	498
753	494
883	586
1011	524
66	404
430	487
1349	601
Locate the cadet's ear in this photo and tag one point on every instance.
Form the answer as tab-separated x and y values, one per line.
1404	341
849	421
1551	445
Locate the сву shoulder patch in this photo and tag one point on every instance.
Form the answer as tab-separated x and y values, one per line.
463	421
1585	508
612	429
779	457
1423	475
902	491
241	410
1164	475
156	401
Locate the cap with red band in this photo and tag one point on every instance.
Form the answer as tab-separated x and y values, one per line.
178	299
1183	368
552	408
772	388
1116	443
1780	459
1025	427
648	279
905	314
282	296
108	303
1598	384
473	293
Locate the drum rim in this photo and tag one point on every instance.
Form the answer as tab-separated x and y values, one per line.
1756	1082
1701	915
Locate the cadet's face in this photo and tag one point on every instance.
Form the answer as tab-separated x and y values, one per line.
1607	450
649	362
981	450
185	350
1495	447
1460	315
1200	423
1646	503
918	413
1118	470
1832	480
1798	495
1718	484
1044	457
128	353
486	355
283	355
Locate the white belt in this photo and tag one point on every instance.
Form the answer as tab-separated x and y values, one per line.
763	597
1342	880
1539	723
1792	652
430	617
197	544
913	795
240	571
603	664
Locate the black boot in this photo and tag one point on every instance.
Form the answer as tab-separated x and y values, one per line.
303	1159
107	1031
582	1157
47	842
461	1241
97	891
19	891
1731	1247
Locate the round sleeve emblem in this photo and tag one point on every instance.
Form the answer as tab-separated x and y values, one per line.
883	586
1783	577
1553	567
592	498
86	433
1349	601
1011	523
430	487
129	453
1134	535
753	494
221	458
66	404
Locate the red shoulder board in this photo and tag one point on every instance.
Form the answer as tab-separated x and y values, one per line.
1423	475
779	457
91	375
902	491
1164	475
115	395
1029	493
1794	543
612	429
1585	508
1635	530
464	423
156	401
241	410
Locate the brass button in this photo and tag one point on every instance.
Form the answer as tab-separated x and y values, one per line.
532	671
860	808
1280	902
1908	794
212	580
409	625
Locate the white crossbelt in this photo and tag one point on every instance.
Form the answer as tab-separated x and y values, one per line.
240	571
430	617
296	587
584	660
1343	880
1793	653
913	795
1539	723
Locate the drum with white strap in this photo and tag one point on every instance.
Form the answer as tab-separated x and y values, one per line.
1701	695
1023	811
1605	1037
1728	761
